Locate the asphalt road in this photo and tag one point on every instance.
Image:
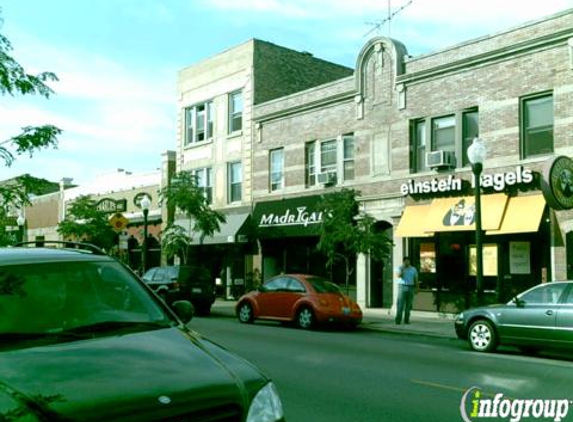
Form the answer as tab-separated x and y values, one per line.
366	376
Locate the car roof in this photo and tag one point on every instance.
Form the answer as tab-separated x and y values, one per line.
17	255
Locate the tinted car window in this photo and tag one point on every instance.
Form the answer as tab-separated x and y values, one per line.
569	298
159	275
323	286
42	298
277	284
547	294
296	286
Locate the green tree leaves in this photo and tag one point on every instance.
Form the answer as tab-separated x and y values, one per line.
346	232
84	222
184	194
14	80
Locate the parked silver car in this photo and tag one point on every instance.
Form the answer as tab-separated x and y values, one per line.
539	318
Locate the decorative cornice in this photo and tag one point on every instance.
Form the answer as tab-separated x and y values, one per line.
489	57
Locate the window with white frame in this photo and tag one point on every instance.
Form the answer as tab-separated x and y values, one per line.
276	170
348	157
330	156
327	157
235	181
235	111
199	123
310	163
444	133
441	133
204	180
537	125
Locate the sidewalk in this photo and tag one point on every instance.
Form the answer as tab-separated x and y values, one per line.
421	323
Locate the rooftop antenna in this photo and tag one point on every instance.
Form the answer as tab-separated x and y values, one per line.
378	25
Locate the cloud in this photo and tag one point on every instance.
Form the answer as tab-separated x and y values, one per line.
104	108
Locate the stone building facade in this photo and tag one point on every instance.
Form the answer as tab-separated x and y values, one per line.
216	99
374	130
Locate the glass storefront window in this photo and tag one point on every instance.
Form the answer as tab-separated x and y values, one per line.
427	258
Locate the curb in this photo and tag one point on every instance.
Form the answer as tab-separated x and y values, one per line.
370	325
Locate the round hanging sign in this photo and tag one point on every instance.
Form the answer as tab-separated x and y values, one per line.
557	183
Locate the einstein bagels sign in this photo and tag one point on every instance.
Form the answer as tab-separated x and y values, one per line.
557	183
453	184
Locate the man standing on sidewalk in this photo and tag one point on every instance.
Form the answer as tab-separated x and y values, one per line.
407	285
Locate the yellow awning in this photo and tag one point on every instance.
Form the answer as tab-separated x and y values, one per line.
458	214
412	223
522	215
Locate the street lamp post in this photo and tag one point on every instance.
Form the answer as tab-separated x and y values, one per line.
20	220
145	204
477	154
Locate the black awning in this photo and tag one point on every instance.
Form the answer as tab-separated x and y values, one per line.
295	217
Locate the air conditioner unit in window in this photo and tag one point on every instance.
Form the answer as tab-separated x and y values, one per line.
328	178
440	159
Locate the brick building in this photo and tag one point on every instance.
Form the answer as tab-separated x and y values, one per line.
397	130
216	99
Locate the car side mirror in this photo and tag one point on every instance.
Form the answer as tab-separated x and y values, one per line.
518	302
261	289
184	310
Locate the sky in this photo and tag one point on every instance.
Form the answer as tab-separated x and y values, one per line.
117	61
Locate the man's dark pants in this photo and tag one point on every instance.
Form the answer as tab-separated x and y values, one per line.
405	299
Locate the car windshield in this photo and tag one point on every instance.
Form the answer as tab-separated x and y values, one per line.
50	298
323	286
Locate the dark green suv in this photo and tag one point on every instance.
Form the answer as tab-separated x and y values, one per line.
180	282
82	338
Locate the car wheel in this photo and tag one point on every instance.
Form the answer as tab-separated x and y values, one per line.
305	318
482	336
245	313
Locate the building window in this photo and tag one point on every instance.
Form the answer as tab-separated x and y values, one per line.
328	156
470	127
419	146
276	169
199	122
444	134
235	112
537	125
235	181
453	133
329	160
348	157
204	182
310	166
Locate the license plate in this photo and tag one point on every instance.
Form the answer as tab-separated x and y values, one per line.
346	311
196	290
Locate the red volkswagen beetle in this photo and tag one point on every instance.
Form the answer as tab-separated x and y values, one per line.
304	299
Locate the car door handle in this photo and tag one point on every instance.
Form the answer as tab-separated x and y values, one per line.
549	312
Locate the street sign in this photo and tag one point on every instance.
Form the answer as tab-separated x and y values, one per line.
118	221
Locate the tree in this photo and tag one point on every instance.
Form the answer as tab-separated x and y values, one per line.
84	222
14	80
183	193
345	232
176	242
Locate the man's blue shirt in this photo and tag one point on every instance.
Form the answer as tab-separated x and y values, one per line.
409	275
